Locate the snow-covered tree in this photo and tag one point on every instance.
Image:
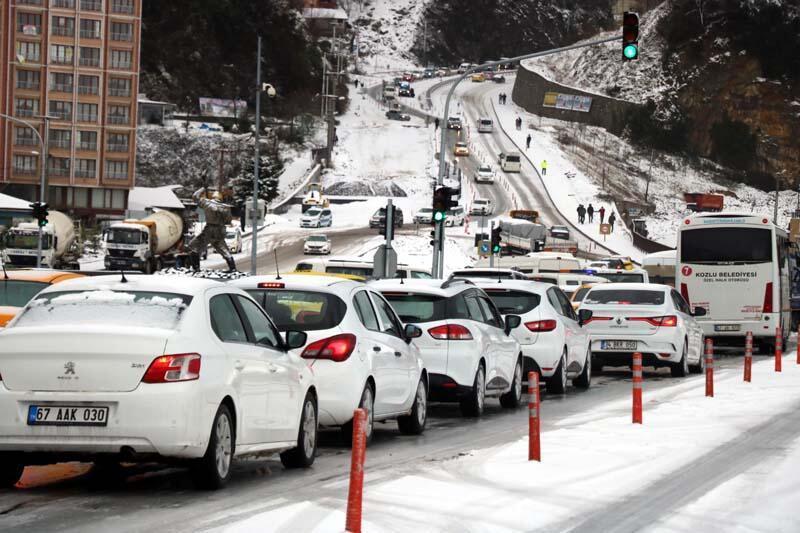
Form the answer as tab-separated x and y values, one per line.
269	169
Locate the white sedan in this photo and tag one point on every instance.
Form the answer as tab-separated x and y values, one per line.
651	319
111	370
317	244
484	174
553	340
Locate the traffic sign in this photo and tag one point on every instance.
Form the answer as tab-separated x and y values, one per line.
383	256
605	229
484	249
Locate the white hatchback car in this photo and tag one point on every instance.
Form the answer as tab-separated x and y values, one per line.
652	319
358	349
481	206
168	368
316	217
484	174
467	346
552	337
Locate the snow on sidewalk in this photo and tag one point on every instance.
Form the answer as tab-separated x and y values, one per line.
591	463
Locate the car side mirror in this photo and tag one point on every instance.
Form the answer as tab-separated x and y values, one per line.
296	339
699	311
584	315
412	332
512	322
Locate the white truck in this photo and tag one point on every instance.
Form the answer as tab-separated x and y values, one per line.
145	245
59	246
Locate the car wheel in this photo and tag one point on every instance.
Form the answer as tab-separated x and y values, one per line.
584	380
701	364
473	404
512	398
557	384
414	423
303	456
213	470
11	469
367	403
681	368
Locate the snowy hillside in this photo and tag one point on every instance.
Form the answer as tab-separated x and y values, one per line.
386	30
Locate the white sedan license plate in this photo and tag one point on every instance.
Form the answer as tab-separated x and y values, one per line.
726	327
618	345
67	415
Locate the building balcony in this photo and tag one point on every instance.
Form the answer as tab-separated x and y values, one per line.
29	30
24	112
85	173
63	32
122	8
118	92
58	172
61	88
87	146
88	89
30	58
116	147
28	85
62	61
26	141
122	37
121	65
64	144
61	115
118	119
24	171
29	2
87	118
90	34
64	4
115	175
90	62
91	5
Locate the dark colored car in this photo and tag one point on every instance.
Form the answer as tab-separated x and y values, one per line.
499	78
378	220
454	123
407	92
394	114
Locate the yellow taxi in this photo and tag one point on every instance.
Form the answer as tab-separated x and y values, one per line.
461	148
18	287
579	294
478	77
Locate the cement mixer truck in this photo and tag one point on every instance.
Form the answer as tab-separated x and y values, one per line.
59	247
146	245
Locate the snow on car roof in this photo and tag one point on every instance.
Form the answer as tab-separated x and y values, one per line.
630	286
171	284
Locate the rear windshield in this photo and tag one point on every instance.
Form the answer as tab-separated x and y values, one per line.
580	294
623	277
419	274
18	293
625	297
482	274
301	310
513	302
304	267
364	272
726	245
543	279
142	309
413	308
512	159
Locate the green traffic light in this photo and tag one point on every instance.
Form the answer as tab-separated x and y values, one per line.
439	216
630	51
496	249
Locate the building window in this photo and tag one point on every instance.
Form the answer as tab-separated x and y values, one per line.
119	87
91	5
64	4
121	59
29	2
60	139
87	140
85	168
24	136
30	52
64	26
88	84
61	82
123	7
118	114
28	79
90	57
62	110
81	197
117	142
121	31
58	166
61	54
90	29
29	23
25	164
26	107
87	112
117	199
117	170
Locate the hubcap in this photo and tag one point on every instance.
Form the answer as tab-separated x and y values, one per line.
309	429
223	455
366	404
481	384
422	403
518	380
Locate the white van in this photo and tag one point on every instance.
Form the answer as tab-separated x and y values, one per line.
637	275
355	266
389	92
511	161
485	125
567	282
537	262
481	206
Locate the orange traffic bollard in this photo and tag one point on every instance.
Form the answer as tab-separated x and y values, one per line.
356	492
709	368
534	446
748	356
637	388
778	348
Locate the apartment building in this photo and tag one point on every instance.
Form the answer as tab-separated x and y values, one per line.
77	62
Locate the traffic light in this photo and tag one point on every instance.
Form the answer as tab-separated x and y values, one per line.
40	213
388	229
433	238
630	36
442	201
496	240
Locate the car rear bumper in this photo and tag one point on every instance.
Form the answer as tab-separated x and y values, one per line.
759	328
339	388
667	349
445	389
543	355
626	359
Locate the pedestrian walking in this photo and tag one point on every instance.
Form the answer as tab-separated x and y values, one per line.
590	212
581	214
602	212
519	123
544	167
611	219
500	98
436	123
528	141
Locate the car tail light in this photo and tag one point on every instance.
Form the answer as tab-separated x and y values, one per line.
450	332
271	285
768	299
171	368
685	293
598	319
541	325
337	348
668	321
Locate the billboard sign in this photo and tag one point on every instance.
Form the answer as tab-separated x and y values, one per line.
569	102
222	108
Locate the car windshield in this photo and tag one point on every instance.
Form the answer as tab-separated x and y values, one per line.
17	293
623	277
412	308
230	234
125	236
317	238
103	307
300	309
481	202
313	212
485	168
513	302
461	145
625	297
426	210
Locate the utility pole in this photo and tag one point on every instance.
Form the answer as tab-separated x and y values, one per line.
254	242
425	44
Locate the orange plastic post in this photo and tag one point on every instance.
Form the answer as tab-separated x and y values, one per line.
748	356
709	368
637	388
534	445
356	492
778	349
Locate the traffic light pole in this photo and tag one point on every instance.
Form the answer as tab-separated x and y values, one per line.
491	246
43	188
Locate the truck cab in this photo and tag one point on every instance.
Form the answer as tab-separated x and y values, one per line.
127	246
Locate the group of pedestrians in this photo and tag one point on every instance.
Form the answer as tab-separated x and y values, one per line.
590	211
501	98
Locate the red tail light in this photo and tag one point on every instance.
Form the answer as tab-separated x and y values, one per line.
598	319
337	348
171	368
541	325
450	332
271	285
768	299
669	321
685	293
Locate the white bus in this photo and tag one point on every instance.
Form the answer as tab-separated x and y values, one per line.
660	267
511	162
485	125
735	266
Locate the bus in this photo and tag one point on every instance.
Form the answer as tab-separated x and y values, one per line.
660	267
511	162
735	266
485	125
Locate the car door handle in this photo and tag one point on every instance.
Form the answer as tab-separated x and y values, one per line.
376	348
238	365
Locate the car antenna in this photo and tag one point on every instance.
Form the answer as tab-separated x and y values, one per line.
277	270
124	279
